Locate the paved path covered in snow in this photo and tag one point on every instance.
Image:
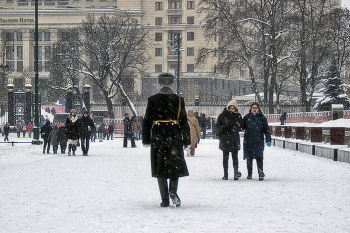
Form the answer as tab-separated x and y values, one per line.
112	190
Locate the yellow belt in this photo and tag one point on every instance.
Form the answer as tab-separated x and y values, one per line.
165	121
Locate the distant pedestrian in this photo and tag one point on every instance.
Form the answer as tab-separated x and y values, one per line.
203	124
45	135
54	138
93	133
137	128
283	118
110	131
72	126
228	125
18	129
101	131
128	131
255	126
30	129
24	130
62	138
86	124
166	129
194	130
6	131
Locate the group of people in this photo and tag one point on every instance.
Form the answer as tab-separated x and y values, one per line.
74	130
20	128
168	130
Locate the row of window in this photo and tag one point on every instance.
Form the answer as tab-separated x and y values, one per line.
174	20
159	52
159	68
159	36
174	4
18	36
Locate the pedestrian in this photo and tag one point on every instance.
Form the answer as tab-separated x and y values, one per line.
86	124
194	130
72	126
24	130
18	129
110	131
283	117
214	131
101	131
105	132
6	131
45	135
93	133
166	130
128	132
228	125
137	128
199	120
203	124
62	138
54	138
30	129
255	126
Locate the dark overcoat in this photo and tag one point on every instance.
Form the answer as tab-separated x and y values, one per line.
128	126
228	127
255	127
46	130
83	124
166	139
72	126
54	135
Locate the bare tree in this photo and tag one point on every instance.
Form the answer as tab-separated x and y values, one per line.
108	50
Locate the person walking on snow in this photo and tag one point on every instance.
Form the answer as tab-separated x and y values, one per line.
166	129
45	135
195	132
255	126
85	126
6	131
72	126
228	125
128	131
54	138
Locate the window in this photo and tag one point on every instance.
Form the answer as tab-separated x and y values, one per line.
190	35
158	68
10	36
190	68
47	36
159	6
175	5
19	52
10	53
173	52
9	0
158	36
174	20
190	51
40	66
19	36
190	20
47	51
19	66
11	65
190	4
47	66
40	36
159	52
159	20
40	53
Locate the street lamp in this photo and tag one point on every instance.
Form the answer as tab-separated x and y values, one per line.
177	41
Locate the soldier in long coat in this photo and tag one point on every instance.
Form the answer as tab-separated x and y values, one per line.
166	129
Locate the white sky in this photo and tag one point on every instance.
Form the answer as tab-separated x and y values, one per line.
345	3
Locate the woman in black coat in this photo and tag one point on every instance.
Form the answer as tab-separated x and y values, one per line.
255	127
72	126
228	126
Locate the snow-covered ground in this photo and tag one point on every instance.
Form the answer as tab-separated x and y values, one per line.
112	190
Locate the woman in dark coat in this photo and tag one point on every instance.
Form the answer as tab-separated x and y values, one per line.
228	126
54	138
166	129
255	127
45	135
72	126
62	138
6	131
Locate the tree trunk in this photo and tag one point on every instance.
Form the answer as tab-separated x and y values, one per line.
109	105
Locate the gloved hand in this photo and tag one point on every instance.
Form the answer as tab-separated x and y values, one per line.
146	145
268	144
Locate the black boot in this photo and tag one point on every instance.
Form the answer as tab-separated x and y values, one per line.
69	149
74	147
237	174
163	188
250	168
259	162
173	192
225	165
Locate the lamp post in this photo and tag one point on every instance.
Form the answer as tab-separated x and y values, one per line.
177	42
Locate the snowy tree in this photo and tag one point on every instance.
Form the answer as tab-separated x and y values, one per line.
107	50
334	91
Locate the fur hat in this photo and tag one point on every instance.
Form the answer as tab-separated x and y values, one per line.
166	79
232	103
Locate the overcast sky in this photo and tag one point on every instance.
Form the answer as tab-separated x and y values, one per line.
345	3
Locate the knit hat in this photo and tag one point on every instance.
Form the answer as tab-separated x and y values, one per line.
166	79
232	103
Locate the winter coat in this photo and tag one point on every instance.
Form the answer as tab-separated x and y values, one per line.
62	137
167	139
30	127
101	129
255	127
228	126
84	123
137	125
46	130
18	128
6	130
194	128
72	126
110	128
283	116
128	126
54	135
